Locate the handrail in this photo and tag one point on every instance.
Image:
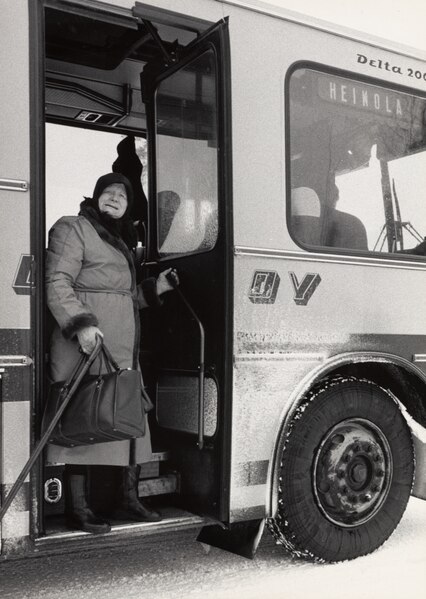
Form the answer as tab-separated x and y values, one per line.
171	277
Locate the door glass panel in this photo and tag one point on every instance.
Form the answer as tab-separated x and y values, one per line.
358	164
187	158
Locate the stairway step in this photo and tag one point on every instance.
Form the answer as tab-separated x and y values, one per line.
168	483
160	456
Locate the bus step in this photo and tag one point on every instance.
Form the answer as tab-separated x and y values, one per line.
157	456
163	485
152	469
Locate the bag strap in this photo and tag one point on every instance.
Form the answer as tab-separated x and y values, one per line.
109	360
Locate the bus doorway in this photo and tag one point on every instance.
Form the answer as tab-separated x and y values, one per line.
159	108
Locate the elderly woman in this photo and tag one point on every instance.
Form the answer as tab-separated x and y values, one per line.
91	291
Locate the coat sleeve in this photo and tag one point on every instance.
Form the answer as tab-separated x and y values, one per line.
64	262
147	294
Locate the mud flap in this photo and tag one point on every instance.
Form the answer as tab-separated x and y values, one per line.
241	538
419	487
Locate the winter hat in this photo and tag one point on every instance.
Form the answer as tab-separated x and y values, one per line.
109	179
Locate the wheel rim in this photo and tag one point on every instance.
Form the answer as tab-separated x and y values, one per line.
352	472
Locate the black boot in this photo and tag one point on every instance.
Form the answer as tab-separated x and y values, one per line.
129	507
77	511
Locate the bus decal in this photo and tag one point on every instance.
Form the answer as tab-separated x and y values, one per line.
264	287
22	282
304	290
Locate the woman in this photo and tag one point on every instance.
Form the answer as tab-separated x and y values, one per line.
91	291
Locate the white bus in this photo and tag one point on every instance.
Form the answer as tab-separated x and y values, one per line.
284	170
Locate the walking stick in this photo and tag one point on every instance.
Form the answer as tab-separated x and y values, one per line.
69	389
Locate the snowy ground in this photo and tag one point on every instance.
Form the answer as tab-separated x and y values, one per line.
396	571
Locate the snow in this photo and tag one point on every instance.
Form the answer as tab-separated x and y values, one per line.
182	569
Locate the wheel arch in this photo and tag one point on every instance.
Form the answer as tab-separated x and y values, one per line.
402	378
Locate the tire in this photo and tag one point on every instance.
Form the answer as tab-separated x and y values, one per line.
346	472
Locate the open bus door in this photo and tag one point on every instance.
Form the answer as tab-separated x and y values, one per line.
187	98
185	114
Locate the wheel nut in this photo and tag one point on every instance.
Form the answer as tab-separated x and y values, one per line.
375	489
357	448
367	497
377	458
380	473
368	448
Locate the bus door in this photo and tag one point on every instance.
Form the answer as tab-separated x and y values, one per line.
188	113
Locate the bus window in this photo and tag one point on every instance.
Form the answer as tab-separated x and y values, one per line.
186	114
359	149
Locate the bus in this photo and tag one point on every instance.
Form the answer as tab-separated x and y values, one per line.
281	162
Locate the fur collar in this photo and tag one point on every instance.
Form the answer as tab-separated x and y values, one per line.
115	240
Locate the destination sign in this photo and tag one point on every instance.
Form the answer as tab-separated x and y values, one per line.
365	97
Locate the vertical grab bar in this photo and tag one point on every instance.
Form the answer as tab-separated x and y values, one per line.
171	277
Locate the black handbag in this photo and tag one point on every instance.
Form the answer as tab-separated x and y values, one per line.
105	407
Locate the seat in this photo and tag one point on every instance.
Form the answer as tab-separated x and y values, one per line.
341	229
305	215
347	231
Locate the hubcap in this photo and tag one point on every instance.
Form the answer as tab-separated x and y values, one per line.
352	472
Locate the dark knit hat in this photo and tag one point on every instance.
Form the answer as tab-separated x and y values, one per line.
110	179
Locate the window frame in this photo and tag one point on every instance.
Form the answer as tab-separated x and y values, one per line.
357	78
209	49
195	50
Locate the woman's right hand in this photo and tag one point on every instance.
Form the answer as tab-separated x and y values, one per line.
87	338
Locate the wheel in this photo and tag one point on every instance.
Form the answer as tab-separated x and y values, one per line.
346	472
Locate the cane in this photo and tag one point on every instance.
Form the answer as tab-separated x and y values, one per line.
85	364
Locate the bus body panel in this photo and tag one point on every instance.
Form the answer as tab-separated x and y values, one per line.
278	344
15	261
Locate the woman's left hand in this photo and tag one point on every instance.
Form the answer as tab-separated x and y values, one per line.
163	283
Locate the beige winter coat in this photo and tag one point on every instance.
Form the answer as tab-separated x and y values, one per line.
89	281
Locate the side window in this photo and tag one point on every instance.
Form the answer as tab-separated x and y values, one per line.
186	158
357	164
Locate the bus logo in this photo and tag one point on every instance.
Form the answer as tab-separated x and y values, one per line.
22	283
304	290
264	287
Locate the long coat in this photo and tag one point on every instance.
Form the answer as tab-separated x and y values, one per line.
90	281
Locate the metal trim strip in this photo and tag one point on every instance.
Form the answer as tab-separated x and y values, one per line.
419	358
329	258
14	185
8	361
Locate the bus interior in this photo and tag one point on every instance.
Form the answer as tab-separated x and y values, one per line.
167	128
357	163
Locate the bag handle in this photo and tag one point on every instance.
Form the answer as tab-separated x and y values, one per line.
108	358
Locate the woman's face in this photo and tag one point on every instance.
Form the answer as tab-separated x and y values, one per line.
113	200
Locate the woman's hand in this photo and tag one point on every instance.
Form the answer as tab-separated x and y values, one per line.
163	283
87	338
